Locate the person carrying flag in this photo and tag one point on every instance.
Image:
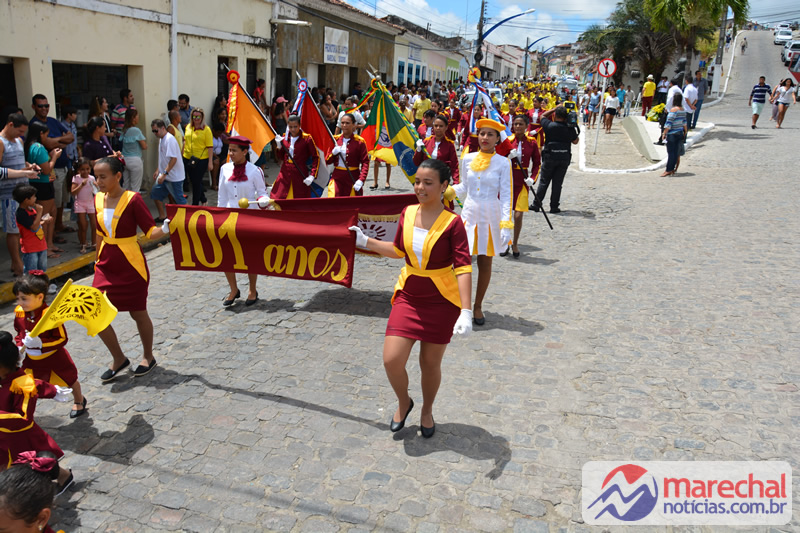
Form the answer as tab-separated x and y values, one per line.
454	118
351	160
469	139
296	150
485	191
439	147
525	161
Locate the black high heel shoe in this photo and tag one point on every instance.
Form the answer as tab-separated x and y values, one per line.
397	426
428	432
228	303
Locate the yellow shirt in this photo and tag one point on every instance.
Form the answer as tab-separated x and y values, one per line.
649	89
420	106
198	144
409	114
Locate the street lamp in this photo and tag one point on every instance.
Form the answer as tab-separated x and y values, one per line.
482	35
527	51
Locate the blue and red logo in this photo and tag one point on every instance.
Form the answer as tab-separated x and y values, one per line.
629	493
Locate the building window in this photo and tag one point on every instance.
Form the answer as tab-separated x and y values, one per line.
416	78
401	71
423	73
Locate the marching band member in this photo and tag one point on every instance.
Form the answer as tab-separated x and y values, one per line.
439	147
454	118
46	354
121	268
431	300
525	162
469	139
242	179
19	391
296	149
425	129
351	159
534	121
485	191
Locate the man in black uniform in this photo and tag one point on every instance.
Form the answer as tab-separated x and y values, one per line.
559	135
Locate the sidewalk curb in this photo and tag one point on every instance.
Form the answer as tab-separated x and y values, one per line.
67	267
695	138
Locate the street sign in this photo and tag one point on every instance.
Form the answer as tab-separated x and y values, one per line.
607	68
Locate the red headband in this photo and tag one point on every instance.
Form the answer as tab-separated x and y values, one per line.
39	464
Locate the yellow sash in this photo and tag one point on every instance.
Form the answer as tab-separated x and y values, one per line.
129	245
346	168
443	278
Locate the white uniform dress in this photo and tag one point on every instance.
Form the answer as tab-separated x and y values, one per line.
231	191
486	196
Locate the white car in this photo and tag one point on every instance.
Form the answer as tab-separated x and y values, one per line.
789	52
781	36
781	26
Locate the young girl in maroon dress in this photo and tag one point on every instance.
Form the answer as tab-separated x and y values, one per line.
19	391
432	298
46	354
121	269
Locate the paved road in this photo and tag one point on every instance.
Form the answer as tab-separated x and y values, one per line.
658	321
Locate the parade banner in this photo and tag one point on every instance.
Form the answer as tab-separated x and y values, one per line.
315	245
378	216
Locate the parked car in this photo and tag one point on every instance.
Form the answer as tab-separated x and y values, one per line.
781	36
781	26
789	52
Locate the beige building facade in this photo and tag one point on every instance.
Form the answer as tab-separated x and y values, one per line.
73	50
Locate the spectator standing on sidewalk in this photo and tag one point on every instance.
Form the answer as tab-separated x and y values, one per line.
133	142
185	110
118	116
701	84
662	90
628	100
758	97
689	100
69	118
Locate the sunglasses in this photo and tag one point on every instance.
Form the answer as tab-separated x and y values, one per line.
155	131
197	116
43	105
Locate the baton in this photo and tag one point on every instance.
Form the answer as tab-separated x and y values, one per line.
535	198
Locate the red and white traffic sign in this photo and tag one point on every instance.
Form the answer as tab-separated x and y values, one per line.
607	68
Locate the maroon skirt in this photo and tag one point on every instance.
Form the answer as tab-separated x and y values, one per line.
420	312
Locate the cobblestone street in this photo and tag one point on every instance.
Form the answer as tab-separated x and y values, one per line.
658	321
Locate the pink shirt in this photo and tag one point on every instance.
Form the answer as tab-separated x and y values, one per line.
85	194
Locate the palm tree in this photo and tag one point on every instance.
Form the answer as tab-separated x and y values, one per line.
692	20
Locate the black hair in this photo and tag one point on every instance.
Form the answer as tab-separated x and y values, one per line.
93	124
9	353
35	130
677	100
22	192
561	112
183	97
444	118
31	284
524	118
171	104
80	162
123	93
24	493
37	96
352	117
114	163
440	167
68	110
294	117
430	113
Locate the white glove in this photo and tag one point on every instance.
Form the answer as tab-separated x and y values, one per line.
529	182
62	394
505	237
279	139
165	226
336	150
263	202
513	154
21	356
420	145
361	239
464	323
309	180
32	343
357	185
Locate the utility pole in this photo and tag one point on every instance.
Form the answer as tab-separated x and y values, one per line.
527	52
720	48
478	51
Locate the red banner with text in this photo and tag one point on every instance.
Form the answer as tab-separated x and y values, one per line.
310	245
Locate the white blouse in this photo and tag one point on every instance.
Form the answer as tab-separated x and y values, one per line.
230	192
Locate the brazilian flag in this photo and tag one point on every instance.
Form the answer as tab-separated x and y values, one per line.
388	134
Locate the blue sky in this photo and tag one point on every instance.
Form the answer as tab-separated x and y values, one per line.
560	21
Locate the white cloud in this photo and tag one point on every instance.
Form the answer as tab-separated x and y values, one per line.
543	24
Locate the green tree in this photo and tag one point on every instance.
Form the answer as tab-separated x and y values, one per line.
692	20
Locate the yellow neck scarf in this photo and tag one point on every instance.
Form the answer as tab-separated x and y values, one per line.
481	161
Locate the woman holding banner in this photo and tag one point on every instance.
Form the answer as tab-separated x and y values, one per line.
431	300
296	150
351	161
485	189
240	179
121	269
